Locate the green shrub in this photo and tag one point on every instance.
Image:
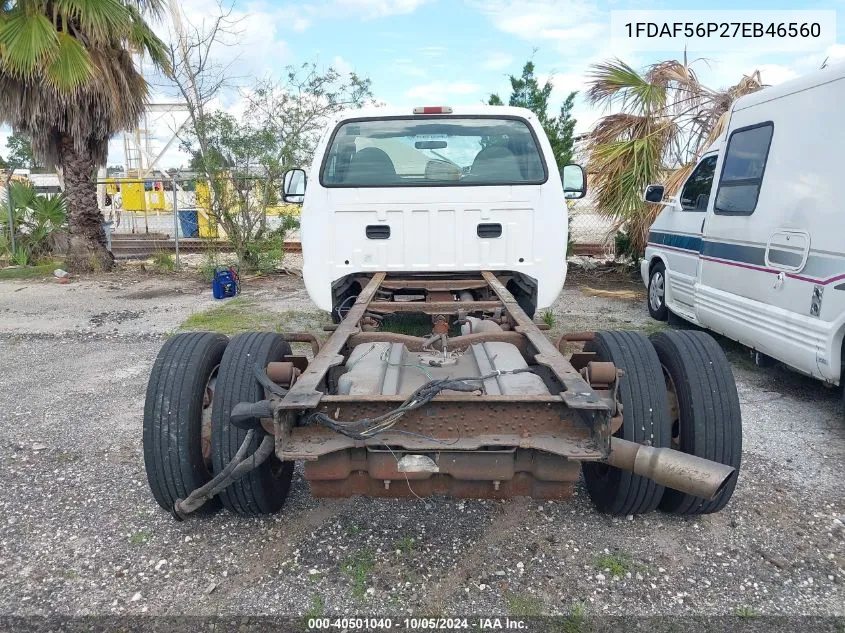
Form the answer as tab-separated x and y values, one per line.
35	218
625	248
21	256
264	255
163	262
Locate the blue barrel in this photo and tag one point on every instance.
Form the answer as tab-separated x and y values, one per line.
190	223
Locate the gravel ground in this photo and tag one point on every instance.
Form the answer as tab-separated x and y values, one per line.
80	533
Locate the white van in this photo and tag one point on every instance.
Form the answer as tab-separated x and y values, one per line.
754	245
471	188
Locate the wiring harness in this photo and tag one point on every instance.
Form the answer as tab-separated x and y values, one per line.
367	428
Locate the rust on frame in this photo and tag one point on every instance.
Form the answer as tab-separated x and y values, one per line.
433	307
578	394
453	422
522	485
304	394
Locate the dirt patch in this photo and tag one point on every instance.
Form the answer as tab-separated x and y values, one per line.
102	318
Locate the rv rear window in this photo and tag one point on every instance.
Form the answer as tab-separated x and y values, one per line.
742	173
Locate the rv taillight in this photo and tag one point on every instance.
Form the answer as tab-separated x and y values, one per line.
433	110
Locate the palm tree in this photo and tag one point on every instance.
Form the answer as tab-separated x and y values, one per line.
68	81
666	118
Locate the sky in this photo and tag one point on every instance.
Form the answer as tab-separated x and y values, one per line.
458	52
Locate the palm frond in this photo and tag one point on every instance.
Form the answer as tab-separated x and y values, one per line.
66	70
100	20
28	41
615	81
667	119
71	66
143	40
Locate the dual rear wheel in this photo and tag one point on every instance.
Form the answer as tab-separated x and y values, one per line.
195	382
677	391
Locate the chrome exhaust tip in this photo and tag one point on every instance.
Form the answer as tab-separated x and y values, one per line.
686	473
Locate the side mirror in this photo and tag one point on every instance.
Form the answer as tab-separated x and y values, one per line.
574	182
293	186
654	194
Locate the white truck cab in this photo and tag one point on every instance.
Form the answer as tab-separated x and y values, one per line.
434	189
754	245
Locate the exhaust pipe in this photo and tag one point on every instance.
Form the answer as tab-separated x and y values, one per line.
687	473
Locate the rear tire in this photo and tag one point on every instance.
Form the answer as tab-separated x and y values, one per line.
263	490
173	417
642	392
709	423
657	292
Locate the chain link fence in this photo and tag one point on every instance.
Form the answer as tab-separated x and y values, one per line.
146	216
590	232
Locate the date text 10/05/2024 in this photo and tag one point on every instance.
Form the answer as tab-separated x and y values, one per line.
416	624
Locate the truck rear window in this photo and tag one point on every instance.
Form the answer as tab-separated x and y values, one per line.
432	152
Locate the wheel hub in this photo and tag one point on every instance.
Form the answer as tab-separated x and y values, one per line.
205	425
656	291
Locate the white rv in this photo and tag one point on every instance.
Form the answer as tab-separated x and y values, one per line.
753	247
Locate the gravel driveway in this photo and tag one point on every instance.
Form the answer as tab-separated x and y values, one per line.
81	534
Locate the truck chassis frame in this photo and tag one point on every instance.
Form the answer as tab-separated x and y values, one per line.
487	445
449	436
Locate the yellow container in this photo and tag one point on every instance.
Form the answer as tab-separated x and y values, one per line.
207	226
133	196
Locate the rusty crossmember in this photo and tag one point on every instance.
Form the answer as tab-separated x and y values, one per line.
459	422
492	474
432	307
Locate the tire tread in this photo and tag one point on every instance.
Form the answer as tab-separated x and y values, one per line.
708	403
255	493
172	415
645	409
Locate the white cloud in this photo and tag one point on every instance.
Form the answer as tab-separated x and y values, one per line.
772	74
832	55
563	84
369	9
5	133
497	61
301	16
253	44
560	21
438	91
300	24
836	51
